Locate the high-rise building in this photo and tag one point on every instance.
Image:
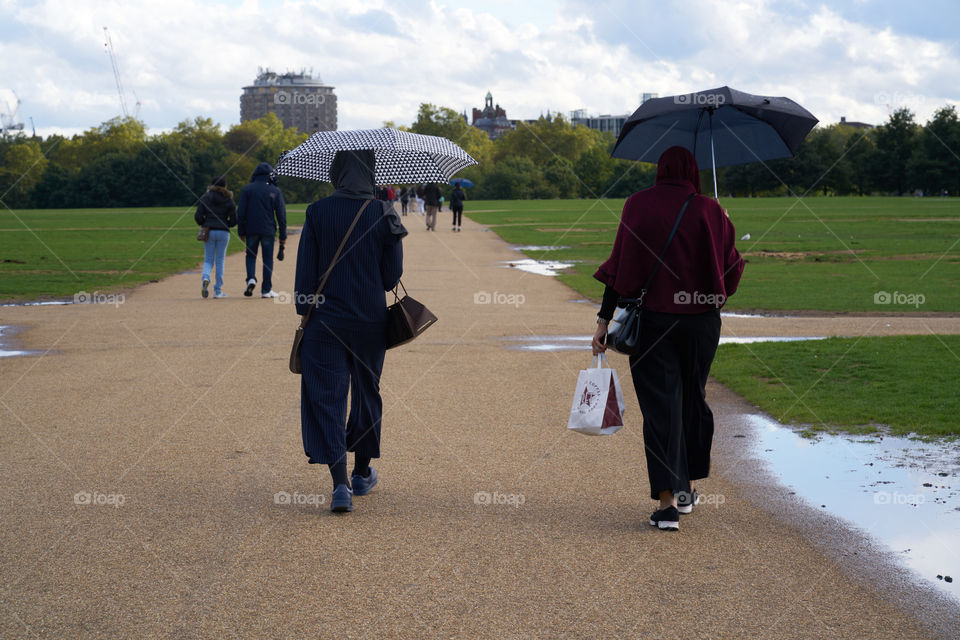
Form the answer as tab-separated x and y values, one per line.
299	99
613	124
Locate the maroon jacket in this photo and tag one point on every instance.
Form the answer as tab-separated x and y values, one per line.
702	267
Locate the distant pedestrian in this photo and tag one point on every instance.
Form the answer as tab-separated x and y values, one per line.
261	211
216	211
404	199
680	331
418	198
457	196
431	198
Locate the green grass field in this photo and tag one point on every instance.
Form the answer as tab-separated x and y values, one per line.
831	254
53	254
904	383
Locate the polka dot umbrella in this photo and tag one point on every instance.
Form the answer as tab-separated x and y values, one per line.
401	156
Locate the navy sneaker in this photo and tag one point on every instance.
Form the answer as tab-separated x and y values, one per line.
685	501
361	485
342	499
668	519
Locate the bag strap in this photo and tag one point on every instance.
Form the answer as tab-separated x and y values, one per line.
673	232
396	294
336	256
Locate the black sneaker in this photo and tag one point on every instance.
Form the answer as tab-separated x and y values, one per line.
204	292
685	501
668	519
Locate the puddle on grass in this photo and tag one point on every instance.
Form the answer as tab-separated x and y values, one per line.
575	343
539	267
902	492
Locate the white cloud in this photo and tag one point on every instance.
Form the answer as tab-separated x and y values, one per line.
185	59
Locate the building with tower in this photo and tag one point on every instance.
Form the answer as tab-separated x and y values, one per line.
491	119
299	99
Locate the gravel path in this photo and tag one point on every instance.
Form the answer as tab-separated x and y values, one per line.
183	410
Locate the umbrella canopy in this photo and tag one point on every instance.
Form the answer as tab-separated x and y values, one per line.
742	127
401	156
466	183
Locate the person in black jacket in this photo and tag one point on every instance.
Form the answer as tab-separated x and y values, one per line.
457	196
217	211
345	339
261	211
431	198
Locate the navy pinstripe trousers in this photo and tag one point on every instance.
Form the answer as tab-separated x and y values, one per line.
337	361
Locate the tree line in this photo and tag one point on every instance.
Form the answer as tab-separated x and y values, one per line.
118	164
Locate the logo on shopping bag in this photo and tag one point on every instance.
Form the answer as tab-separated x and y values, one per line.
590	397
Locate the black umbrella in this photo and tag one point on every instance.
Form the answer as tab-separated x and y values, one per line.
401	157
720	126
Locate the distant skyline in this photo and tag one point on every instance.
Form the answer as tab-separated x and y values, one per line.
858	59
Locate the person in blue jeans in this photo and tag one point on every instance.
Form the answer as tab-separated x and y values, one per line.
260	213
217	211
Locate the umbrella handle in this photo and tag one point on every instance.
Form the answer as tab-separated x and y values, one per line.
713	158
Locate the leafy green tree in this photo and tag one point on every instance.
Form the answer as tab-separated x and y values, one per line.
22	167
547	138
935	163
895	143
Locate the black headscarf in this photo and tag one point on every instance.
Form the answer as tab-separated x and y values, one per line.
351	172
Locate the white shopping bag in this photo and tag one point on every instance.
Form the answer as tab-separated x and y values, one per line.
598	406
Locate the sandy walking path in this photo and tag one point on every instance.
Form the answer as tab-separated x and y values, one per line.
490	520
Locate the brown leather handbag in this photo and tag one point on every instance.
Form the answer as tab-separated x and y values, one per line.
204	234
406	318
295	362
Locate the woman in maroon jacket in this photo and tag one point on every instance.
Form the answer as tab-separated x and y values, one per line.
681	321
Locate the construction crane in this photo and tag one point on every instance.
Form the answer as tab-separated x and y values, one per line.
8	121
108	45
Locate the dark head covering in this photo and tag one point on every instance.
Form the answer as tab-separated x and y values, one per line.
677	163
263	170
351	172
220	181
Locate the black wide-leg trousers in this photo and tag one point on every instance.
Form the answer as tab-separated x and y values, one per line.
670	373
336	362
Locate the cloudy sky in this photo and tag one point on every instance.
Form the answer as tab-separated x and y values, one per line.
184	58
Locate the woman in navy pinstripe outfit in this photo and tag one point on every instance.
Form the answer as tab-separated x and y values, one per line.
345	340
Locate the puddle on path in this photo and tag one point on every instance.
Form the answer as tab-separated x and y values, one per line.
48	303
539	267
904	493
5	333
535	247
574	343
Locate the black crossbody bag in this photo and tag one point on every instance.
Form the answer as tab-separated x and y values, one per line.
623	334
